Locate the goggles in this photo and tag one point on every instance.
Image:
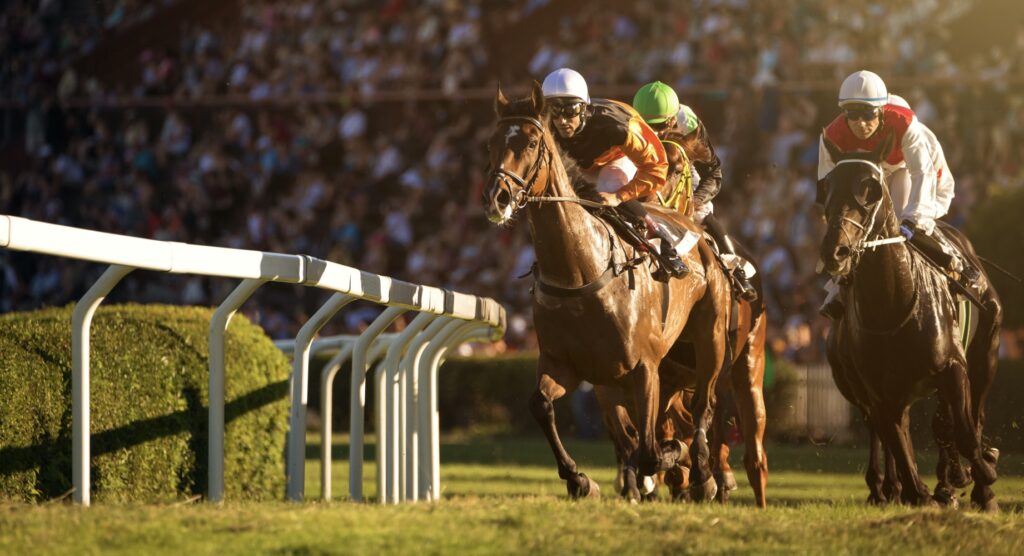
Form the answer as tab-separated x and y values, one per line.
567	109
861	114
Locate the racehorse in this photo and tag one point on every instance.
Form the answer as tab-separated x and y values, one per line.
599	317
899	339
742	393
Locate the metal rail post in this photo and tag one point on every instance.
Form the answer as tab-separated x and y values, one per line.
81	321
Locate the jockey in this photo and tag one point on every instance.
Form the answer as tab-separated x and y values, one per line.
659	105
614	148
919	180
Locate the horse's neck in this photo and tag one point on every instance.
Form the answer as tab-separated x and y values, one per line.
571	246
884	283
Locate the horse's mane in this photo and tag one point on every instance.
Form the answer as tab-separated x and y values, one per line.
691	144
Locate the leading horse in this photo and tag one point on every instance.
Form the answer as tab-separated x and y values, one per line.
597	317
899	338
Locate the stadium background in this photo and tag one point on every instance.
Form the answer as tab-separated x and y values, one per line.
354	130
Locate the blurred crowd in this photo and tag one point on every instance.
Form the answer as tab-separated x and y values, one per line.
393	187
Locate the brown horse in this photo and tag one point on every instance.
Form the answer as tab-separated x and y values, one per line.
597	319
899	339
746	378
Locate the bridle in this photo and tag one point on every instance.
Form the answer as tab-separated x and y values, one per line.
500	175
857	248
525	194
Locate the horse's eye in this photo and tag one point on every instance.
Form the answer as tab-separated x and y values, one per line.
534	143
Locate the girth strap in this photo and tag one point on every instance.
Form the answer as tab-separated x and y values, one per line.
592	287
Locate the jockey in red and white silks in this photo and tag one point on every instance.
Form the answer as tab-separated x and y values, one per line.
919	179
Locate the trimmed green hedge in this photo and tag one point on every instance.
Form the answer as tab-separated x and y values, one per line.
149	386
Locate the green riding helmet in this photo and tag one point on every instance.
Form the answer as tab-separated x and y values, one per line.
656	102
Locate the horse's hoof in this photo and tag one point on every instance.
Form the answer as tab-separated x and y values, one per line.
989	506
706	491
582	486
671	452
877	499
991	455
631	494
729	480
946	499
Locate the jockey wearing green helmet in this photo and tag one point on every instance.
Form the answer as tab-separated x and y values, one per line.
660	108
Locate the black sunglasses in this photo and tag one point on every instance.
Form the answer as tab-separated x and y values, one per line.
567	109
861	114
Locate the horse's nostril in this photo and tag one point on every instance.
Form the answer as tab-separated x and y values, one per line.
503	198
842	252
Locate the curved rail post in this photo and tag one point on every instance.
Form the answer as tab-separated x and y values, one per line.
218	329
407	375
81	321
478	332
395	404
358	399
426	403
326	401
300	372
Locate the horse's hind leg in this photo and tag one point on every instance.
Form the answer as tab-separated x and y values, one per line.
954	390
748	390
721	424
553	382
982	363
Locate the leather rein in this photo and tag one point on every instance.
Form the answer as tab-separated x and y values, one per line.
525	195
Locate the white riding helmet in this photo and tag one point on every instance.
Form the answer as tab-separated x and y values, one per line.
863	87
566	83
899	101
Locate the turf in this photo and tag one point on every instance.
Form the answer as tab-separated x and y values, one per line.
502	495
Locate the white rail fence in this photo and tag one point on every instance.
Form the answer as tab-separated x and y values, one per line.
819	408
410	467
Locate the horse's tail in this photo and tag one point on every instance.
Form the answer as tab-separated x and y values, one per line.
1000	269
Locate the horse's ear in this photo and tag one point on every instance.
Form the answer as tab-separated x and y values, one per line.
884	148
537	98
832	148
500	102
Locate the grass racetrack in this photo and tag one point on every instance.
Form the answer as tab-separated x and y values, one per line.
503	495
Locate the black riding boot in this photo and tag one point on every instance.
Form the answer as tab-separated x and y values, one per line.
746	289
969	275
673	264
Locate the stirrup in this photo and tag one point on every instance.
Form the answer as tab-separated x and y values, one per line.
746	289
671	261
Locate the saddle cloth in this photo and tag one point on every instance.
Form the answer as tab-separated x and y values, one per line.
689	240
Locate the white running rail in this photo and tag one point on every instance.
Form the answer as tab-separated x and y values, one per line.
125	254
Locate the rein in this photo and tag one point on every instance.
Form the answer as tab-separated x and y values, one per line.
523	197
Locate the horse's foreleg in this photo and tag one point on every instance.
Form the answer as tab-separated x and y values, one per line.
710	346
892	425
721	424
647	397
982	363
873	474
553	383
948	470
624	438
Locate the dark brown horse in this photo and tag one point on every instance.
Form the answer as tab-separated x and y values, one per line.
596	320
740	393
898	340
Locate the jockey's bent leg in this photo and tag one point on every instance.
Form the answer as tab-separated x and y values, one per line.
746	289
673	264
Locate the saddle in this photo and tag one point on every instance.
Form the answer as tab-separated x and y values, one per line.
634	232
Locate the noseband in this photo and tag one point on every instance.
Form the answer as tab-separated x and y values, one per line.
501	175
857	248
